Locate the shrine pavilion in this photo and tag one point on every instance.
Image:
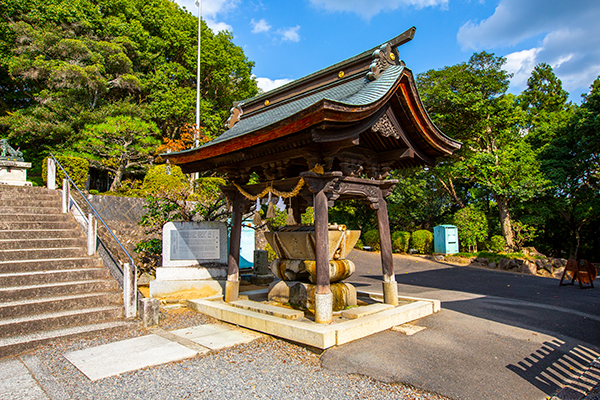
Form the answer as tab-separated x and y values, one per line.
333	135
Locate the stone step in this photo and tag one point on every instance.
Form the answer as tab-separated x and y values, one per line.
25	190
49	264
43	201
268	309
34	217
36	225
19	344
61	275
38	254
15	293
39	305
9	194
51	243
41	233
45	209
54	320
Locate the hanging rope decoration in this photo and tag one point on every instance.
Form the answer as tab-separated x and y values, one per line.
270	190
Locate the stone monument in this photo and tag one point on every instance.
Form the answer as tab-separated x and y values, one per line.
194	259
13	169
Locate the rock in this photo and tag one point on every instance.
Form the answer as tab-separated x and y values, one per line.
558	272
148	311
144	279
519	262
507	263
529	268
532	252
558	263
544	273
482	260
438	257
492	265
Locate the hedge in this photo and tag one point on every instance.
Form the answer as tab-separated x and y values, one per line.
422	241
157	180
371	239
77	168
400	241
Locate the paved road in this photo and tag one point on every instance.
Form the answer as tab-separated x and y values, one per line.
499	335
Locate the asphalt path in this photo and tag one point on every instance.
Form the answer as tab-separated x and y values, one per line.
499	335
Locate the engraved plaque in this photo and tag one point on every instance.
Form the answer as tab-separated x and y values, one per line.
197	244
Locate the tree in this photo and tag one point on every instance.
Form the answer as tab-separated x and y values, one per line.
66	64
119	144
469	102
545	105
571	162
472	227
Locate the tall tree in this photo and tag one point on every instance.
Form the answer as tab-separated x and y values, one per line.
545	104
469	102
65	64
571	161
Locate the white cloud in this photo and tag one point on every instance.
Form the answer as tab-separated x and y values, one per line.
570	44
266	84
368	9
218	26
290	34
210	8
260	26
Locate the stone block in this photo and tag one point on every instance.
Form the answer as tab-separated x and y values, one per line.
194	243
303	294
14	173
149	311
261	262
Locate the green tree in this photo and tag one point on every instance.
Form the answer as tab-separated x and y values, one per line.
545	105
469	102
571	162
66	64
120	144
472	227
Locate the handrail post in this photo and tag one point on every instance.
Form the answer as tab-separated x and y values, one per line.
129	290
51	174
65	195
92	233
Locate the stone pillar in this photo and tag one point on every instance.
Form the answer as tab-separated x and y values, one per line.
92	234
129	290
390	287
65	195
51	174
232	286
323	295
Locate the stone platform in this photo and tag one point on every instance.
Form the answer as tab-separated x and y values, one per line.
346	326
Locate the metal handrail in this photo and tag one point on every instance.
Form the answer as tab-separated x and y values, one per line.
93	210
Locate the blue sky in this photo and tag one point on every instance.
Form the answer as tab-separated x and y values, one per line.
290	39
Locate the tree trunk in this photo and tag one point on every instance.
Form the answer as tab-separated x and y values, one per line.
505	222
116	183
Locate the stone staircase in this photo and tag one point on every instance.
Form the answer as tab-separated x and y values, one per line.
49	287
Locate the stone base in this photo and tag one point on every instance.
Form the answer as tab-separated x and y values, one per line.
14	173
148	311
261	279
191	273
302	294
390	292
187	289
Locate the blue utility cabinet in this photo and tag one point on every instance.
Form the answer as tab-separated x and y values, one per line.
445	239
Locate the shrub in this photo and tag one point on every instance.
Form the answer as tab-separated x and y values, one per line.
359	244
77	168
371	239
400	241
497	244
472	227
157	180
422	241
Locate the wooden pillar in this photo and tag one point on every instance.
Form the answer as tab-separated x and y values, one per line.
323	295
232	286
390	288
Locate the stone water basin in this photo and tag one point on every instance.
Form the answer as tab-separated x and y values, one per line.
295	247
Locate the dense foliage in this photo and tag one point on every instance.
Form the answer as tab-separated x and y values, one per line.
76	167
422	241
472	227
72	69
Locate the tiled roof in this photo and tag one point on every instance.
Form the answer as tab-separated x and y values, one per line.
355	92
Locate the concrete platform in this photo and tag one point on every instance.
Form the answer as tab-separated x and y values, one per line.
308	332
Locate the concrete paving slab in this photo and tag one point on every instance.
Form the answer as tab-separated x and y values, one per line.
16	382
216	336
408	329
127	355
358	312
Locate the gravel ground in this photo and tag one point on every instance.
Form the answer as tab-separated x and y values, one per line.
267	368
